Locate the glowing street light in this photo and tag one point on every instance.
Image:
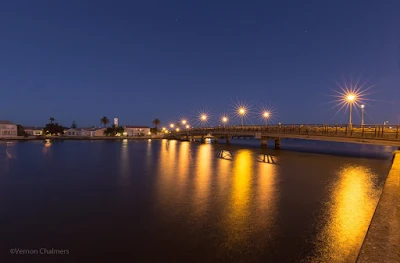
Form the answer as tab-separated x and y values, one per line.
187	126
203	117
163	128
242	112
266	116
172	125
362	114
224	120
177	129
350	98
184	121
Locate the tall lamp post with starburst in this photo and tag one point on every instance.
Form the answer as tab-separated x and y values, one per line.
351	98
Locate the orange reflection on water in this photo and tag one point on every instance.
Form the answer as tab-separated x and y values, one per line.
354	200
267	196
183	167
238	216
124	163
166	174
47	147
202	179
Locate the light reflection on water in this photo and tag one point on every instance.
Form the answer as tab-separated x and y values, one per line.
354	197
238	214
195	205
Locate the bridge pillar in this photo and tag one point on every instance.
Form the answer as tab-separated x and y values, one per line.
228	139
264	143
215	140
203	140
277	143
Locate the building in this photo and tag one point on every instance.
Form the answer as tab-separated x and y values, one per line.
33	131
8	129
137	131
73	132
88	132
93	131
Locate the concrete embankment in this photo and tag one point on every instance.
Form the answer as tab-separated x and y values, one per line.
382	242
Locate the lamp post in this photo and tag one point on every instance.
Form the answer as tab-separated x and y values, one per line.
203	118
362	114
350	99
266	116
242	112
224	120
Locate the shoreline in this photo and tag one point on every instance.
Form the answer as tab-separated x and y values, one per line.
382	240
78	138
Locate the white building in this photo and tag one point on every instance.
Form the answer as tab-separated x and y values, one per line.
88	132
33	131
8	129
137	131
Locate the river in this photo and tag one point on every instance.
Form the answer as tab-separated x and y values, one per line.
171	201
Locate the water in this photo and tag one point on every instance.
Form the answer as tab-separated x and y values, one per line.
170	201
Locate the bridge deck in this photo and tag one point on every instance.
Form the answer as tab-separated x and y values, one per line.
371	134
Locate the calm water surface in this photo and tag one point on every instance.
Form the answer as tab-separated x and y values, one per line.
170	201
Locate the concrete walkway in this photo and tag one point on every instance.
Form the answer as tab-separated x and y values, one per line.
382	242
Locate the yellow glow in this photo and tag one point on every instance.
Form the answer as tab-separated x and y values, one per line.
266	114
240	196
172	125
163	128
202	180
354	200
187	126
177	129
203	117
224	119
184	122
351	97
242	111
362	106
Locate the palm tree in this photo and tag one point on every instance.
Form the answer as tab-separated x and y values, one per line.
51	119
105	121
156	122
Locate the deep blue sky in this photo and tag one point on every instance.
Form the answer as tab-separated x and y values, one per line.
137	60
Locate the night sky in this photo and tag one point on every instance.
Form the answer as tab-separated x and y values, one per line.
140	60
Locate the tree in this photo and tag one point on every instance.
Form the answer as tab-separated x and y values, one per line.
51	119
105	121
53	129
114	130
156	122
73	126
21	131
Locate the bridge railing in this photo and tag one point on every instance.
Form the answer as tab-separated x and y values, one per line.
388	132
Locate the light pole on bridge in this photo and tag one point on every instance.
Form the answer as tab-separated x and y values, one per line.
362	114
350	99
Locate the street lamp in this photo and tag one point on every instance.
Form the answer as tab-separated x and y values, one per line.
350	98
187	126
177	129
242	113
266	116
172	125
203	118
184	121
224	120
362	114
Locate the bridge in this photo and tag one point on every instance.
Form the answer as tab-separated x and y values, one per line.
365	134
